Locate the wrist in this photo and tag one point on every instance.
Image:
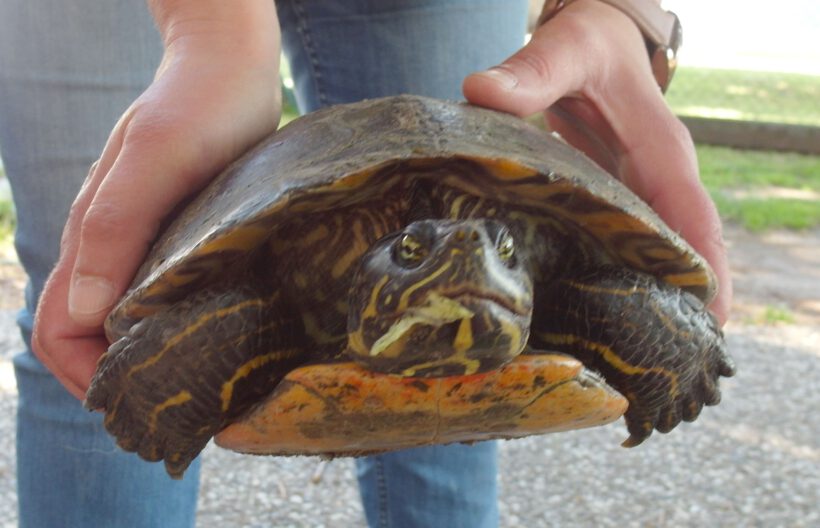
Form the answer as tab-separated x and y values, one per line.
247	30
661	31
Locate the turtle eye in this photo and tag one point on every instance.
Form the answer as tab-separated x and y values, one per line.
506	247
410	250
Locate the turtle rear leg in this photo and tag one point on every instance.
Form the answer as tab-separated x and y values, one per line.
182	374
654	343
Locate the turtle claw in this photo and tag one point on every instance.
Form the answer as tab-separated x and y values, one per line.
722	365
143	422
646	413
637	433
669	419
176	469
726	366
691	410
632	441
641	422
137	436
711	393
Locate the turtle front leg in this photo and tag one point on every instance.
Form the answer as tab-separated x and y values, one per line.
655	343
182	374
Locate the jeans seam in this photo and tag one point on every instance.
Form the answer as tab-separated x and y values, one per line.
303	29
381	486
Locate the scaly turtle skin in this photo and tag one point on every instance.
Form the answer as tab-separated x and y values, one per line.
420	239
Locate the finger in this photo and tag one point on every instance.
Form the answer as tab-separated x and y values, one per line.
673	191
177	139
657	160
154	170
539	74
665	174
99	169
68	350
582	128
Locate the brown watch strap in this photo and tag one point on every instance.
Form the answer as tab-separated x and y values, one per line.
656	24
660	28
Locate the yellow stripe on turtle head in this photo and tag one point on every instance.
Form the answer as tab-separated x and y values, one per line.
405	296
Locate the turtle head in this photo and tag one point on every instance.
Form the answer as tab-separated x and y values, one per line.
440	298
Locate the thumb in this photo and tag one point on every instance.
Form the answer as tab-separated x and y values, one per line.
548	68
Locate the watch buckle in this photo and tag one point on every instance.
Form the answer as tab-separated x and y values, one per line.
665	58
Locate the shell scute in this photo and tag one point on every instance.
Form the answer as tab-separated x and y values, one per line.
330	157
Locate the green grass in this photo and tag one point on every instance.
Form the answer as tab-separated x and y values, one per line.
778	314
726	167
289	113
8	221
738	181
757	214
289	110
771	315
751	95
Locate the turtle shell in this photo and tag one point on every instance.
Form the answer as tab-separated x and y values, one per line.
337	156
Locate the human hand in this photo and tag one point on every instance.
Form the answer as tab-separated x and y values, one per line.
216	93
588	69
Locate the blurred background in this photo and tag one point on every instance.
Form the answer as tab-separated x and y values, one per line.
751	70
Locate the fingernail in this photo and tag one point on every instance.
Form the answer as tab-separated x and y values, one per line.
89	296
504	77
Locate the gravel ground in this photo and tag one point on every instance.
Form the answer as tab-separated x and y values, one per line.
753	461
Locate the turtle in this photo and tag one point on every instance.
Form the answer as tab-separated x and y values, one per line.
418	241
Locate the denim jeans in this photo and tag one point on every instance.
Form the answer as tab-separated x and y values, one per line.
68	69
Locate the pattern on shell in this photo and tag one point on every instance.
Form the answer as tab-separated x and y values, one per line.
345	154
